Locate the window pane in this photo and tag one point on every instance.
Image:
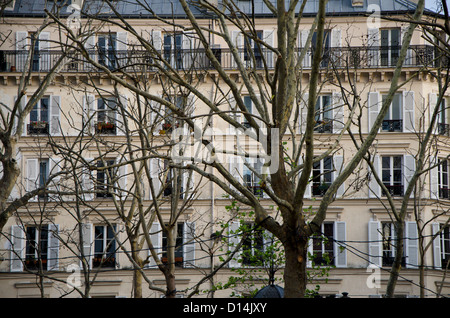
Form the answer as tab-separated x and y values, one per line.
44	109
397	107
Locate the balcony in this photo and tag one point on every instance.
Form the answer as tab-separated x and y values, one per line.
138	60
394	125
38	128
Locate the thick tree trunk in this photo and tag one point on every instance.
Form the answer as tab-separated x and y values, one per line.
295	277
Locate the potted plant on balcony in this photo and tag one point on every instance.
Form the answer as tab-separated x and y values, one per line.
38	124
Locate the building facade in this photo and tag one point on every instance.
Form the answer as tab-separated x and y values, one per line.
84	126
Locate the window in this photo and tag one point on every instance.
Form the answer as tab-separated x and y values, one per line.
326	47
252	51
393	120
171	121
178	246
251	179
392	174
36	247
107	50
443	126
39	117
106	116
105	175
322	176
390	46
104	246
324	114
172	49
389	238
445	249
249	106
323	246
443	178
253	245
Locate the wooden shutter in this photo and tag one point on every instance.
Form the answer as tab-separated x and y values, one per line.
189	245
55	104
53	247
306	63
434	178
120	119
373	43
32	175
409	169
437	257
121	48
374	187
375	243
121	183
55	166
87	181
338	162
236	168
155	175
22	48
268	38
234	238
374	105
44	54
17	248
303	112
408	111
88	113
412	245
340	251
156	239
87	241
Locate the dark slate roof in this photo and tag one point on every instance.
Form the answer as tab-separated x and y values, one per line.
167	8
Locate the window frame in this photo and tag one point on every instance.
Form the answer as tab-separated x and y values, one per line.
38	125
106	245
391	124
324	114
36	249
106	188
393	183
320	186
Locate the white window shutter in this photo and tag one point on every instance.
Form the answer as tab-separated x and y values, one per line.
338	162
408	170
412	245
336	37
189	245
88	113
432	104
87	181
408	111
310	252
437	257
53	247
17	248
234	237
44	54
303	112
268	38
375	243
90	48
374	105
55	105
16	192
22	105
307	194
340	252
434	179
120	119
155	174
55	165
374	187
236	114
22	48
121	48
237	40
306	63
32	175
236	168
338	112
87	242
156	239
373	43
121	183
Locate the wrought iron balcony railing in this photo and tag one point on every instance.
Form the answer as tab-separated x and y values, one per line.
196	59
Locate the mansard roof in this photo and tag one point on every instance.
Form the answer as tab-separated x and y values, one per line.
172	8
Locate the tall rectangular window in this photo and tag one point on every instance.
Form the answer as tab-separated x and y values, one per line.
322	176
445	249
323	245
106	116
389	238
324	114
392	175
105	176
104	246
36	249
107	50
252	179
178	246
443	178
390	46
393	120
253	245
39	117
